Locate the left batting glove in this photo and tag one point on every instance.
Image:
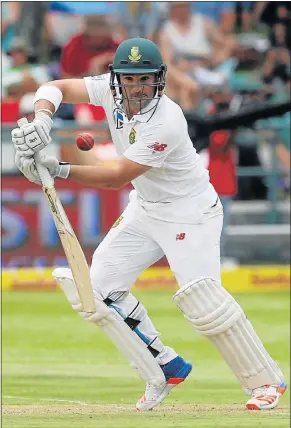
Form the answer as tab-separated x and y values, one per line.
28	168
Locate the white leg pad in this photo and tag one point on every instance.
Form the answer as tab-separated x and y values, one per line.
112	324
214	313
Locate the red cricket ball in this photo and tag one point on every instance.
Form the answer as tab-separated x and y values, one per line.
85	141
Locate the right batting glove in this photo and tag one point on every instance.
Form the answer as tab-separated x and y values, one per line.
34	136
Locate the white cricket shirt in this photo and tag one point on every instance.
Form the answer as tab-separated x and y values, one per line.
159	140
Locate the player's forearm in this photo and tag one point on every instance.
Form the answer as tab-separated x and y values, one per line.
50	95
45	106
97	176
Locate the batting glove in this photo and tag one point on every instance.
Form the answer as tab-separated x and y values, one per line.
34	136
28	168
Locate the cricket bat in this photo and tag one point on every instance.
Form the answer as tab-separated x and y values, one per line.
72	248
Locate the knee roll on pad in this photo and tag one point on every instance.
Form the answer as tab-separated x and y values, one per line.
214	313
113	325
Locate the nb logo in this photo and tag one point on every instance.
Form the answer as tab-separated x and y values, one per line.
158	147
180	236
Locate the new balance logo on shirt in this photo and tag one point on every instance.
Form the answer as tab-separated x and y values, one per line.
158	147
180	236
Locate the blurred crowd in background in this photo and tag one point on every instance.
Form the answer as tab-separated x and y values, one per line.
220	56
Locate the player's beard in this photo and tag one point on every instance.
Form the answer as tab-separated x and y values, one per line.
141	102
136	104
138	101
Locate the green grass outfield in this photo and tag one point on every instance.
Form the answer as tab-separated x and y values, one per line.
61	372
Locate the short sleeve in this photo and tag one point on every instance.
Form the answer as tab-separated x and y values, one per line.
153	147
98	88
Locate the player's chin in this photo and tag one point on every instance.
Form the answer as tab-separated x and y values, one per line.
145	102
140	104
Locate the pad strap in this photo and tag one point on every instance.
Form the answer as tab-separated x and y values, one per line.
135	321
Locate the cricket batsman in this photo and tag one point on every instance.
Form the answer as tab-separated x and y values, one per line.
173	211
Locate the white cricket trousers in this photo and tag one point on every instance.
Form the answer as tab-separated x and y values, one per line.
138	239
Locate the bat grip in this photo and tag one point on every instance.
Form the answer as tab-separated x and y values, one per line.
45	177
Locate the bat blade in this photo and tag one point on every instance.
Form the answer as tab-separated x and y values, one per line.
74	253
70	243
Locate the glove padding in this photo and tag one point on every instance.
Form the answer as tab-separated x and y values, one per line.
28	168
34	136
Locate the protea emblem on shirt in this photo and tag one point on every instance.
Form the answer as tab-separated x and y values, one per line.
132	136
134	56
118	221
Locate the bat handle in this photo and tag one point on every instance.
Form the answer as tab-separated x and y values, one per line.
45	177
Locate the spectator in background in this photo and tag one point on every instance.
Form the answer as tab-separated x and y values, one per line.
220	158
281	126
31	28
10	94
283	154
192	46
19	77
28	77
91	51
69	23
10	112
138	19
277	62
9	18
246	13
270	12
222	13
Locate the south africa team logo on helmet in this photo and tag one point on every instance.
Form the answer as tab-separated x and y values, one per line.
134	56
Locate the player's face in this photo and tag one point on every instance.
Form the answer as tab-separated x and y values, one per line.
137	90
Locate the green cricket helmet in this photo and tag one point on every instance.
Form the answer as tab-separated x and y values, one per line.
138	56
